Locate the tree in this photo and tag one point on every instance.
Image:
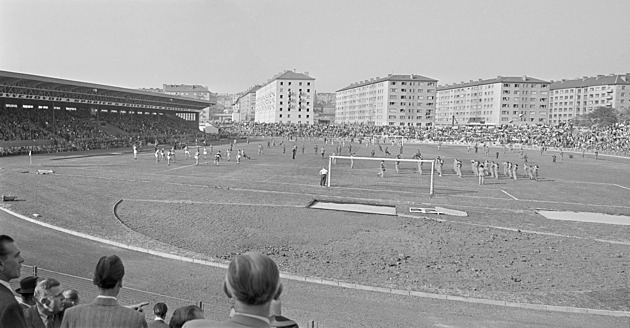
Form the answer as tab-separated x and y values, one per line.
603	116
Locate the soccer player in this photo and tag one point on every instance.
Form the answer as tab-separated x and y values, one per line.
473	166
495	169
157	155
217	158
173	154
169	155
302	149
505	168
397	164
351	161
387	151
536	172
323	151
260	149
514	170
197	157
372	152
323	174
315	149
162	153
186	152
294	150
481	173
238	156
438	165
229	154
135	151
205	153
458	168
382	169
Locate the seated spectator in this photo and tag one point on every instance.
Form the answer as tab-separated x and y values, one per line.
105	310
71	297
26	291
159	310
48	310
253	282
184	314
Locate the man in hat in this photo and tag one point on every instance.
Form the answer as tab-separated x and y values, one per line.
11	313
48	311
105	310
26	290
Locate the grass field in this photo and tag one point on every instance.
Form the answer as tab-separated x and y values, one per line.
502	250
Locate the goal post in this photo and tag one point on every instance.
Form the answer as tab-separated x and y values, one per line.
417	163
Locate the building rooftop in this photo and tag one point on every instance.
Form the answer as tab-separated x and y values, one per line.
390	77
291	75
611	79
185	87
498	79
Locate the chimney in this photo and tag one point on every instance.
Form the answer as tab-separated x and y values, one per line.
306	73
411	76
470	81
499	77
524	77
564	80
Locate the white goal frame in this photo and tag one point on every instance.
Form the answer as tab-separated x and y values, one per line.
333	157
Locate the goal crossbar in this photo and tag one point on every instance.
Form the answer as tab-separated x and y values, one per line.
331	158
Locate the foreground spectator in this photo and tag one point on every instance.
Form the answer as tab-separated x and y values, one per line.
252	281
105	310
184	314
11	313
71	297
159	310
48	310
26	291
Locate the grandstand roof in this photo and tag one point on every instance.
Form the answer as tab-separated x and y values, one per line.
592	81
498	79
290	75
50	83
390	77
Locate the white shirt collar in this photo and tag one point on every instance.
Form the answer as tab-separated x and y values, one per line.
110	297
265	319
5	284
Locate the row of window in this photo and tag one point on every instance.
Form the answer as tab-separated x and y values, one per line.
289	83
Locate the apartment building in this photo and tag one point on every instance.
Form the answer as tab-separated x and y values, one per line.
286	98
400	100
572	98
244	108
501	100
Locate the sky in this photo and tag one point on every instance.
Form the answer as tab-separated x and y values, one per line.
232	45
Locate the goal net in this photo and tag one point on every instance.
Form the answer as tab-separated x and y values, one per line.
399	174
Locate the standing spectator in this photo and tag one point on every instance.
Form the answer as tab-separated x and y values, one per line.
184	314
159	310
26	291
105	310
11	313
48	310
71	297
253	282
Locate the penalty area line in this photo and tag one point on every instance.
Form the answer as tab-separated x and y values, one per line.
614	184
505	192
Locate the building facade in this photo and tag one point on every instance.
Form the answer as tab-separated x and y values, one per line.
502	100
401	100
244	108
287	98
573	98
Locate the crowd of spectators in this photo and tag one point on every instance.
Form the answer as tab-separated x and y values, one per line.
612	139
252	284
38	130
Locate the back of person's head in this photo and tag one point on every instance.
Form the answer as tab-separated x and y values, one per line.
71	297
109	272
184	314
4	239
160	310
253	279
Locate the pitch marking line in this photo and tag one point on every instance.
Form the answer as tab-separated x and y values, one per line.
505	192
181	167
614	184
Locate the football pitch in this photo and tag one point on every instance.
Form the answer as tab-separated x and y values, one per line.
502	250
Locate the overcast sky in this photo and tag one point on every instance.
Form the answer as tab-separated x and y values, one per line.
231	45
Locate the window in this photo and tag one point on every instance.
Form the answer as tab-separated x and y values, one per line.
281	83
300	83
280	115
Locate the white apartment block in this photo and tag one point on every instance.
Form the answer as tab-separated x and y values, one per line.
287	98
400	100
244	108
502	100
571	98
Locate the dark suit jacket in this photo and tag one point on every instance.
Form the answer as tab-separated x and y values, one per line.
158	324
33	320
237	321
11	313
102	313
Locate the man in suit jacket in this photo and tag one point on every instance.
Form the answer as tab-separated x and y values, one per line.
105	311
159	310
11	313
253	281
49	305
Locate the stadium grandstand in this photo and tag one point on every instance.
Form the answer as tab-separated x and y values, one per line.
88	115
